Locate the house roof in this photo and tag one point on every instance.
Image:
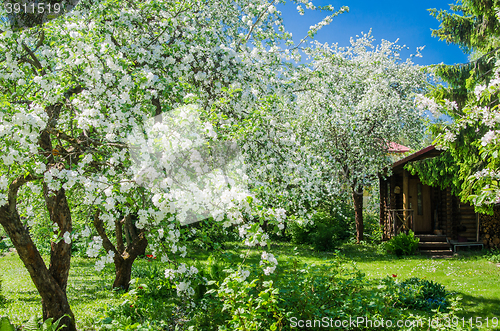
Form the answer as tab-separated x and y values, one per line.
429	151
397	148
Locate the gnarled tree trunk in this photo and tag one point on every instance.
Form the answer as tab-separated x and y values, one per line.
124	256
51	284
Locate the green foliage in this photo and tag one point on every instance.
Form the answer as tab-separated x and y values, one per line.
5	245
2	298
5	324
328	230
402	244
474	26
494	256
373	232
417	293
438	171
251	305
33	324
471	24
211	235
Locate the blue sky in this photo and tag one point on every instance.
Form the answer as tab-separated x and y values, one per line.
407	20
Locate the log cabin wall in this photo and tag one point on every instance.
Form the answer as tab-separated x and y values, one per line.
441	198
467	221
449	213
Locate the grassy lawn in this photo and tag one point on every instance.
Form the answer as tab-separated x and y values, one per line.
88	290
471	276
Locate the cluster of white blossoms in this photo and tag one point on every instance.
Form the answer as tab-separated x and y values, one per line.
183	273
94	247
489	137
424	103
242	275
4	184
269	262
101	263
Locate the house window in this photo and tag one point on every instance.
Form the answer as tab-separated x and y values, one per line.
420	208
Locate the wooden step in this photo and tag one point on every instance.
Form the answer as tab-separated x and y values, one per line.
431	238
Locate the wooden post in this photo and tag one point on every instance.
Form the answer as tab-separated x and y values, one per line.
392	203
383	203
406	193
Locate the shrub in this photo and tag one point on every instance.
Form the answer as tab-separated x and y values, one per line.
211	235
494	256
402	244
417	293
327	231
236	299
5	245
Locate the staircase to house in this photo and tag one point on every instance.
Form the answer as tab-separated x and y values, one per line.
434	246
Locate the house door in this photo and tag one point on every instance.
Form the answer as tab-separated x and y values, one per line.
420	202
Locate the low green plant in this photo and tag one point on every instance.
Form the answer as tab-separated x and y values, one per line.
402	244
494	255
5	324
420	293
5	245
33	324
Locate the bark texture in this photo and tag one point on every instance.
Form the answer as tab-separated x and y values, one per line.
125	255
51	289
357	196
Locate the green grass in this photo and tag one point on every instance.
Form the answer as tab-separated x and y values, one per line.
471	276
87	290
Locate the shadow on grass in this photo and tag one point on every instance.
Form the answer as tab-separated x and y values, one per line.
478	306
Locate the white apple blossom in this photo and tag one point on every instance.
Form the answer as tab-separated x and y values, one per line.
67	237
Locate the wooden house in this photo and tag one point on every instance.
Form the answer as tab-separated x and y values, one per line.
406	203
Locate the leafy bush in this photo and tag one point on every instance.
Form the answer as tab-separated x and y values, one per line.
211	235
327	231
5	245
417	293
494	256
237	299
402	244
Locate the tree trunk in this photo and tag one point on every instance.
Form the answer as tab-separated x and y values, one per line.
357	196
60	253
124	262
54	301
123	272
124	256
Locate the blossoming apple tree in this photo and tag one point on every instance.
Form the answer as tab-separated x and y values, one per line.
355	101
73	92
